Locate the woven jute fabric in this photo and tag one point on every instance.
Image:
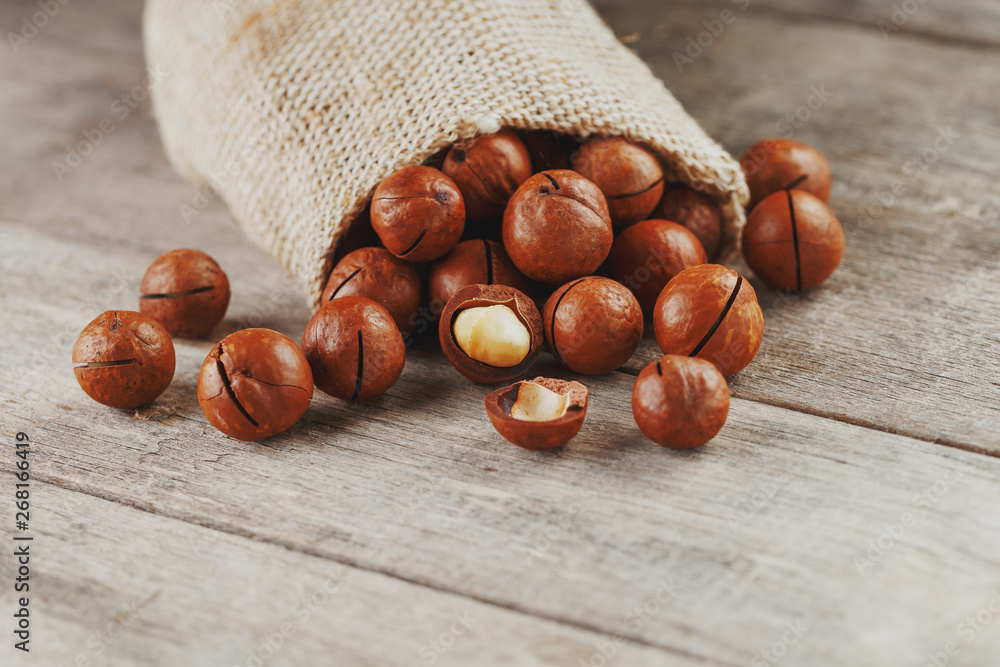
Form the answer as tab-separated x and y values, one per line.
294	110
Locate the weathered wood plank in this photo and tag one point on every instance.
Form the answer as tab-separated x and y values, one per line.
896	325
115	586
416	485
902	337
972	22
768	526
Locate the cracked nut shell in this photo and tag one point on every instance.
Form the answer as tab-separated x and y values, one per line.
354	349
377	274
793	241
710	312
530	418
592	325
186	291
698	212
472	262
487	171
254	384
126	359
630	177
680	402
557	227
418	213
485	296
779	164
648	254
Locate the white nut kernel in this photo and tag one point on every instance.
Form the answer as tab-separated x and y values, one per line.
492	335
536	403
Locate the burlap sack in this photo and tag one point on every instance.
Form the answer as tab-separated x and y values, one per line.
294	110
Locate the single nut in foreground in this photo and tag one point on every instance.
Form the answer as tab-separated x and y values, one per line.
793	241
354	349
254	384
781	164
698	212
490	333
126	359
593	325
647	255
418	213
377	274
487	171
472	262
710	312
541	414
630	177
680	402
186	291
557	227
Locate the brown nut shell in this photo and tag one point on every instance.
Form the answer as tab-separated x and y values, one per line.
127	359
538	435
780	164
630	177
710	312
354	349
557	227
377	274
472	262
647	255
680	402
474	296
488	170
418	213
186	291
698	212
593	325
549	150
254	384
793	241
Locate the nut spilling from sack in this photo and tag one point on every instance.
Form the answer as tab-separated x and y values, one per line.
521	240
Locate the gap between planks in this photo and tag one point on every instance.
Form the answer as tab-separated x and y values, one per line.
248	535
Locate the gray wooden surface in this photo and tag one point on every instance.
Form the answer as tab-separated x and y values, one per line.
845	515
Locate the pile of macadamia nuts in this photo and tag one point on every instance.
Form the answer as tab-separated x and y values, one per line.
504	245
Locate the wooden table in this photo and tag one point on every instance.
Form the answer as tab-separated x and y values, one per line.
846	515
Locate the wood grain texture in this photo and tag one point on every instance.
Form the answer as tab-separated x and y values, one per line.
764	527
874	546
968	22
161	592
899	339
